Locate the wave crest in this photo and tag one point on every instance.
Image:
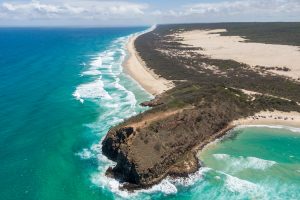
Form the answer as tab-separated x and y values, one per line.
241	163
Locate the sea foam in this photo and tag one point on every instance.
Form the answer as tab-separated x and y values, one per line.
116	102
235	184
242	163
92	90
290	128
85	154
97	62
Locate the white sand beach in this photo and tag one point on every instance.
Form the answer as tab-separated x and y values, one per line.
234	47
138	70
272	118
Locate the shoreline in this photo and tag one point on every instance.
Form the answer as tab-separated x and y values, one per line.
136	68
257	120
271	119
268	118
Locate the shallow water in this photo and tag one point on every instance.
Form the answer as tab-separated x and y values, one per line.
256	163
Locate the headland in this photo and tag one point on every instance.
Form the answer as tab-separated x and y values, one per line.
211	93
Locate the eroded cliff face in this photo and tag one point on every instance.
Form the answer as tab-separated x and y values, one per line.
115	148
148	148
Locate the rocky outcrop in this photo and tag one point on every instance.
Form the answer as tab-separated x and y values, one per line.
189	164
153	103
162	142
114	140
167	146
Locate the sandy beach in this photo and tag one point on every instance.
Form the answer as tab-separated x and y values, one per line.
234	47
138	70
272	118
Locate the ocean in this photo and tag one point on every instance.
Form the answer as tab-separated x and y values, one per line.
62	89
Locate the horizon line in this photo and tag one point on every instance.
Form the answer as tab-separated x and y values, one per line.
136	26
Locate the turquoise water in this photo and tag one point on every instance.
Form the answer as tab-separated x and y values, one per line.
254	163
62	89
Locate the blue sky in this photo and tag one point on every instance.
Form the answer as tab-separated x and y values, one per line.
142	12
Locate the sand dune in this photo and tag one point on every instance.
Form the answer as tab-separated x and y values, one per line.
234	47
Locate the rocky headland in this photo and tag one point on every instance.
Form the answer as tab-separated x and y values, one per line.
209	95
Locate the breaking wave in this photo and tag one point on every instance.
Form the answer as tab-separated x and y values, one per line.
113	91
241	163
290	128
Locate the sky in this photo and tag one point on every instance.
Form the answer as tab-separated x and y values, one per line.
143	12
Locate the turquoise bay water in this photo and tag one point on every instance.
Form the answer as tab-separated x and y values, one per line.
254	163
62	89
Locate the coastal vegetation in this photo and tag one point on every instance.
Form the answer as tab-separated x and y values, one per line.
208	95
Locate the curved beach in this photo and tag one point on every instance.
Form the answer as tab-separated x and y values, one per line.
138	70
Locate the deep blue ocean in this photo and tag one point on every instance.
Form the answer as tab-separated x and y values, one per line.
61	89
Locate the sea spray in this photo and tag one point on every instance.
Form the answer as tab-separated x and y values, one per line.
116	93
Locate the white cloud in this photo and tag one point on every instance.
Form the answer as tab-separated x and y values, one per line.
72	9
242	7
32	6
228	8
112	12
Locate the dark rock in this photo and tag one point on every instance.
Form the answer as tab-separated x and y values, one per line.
113	140
153	103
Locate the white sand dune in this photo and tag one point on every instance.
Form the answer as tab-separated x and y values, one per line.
234	47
